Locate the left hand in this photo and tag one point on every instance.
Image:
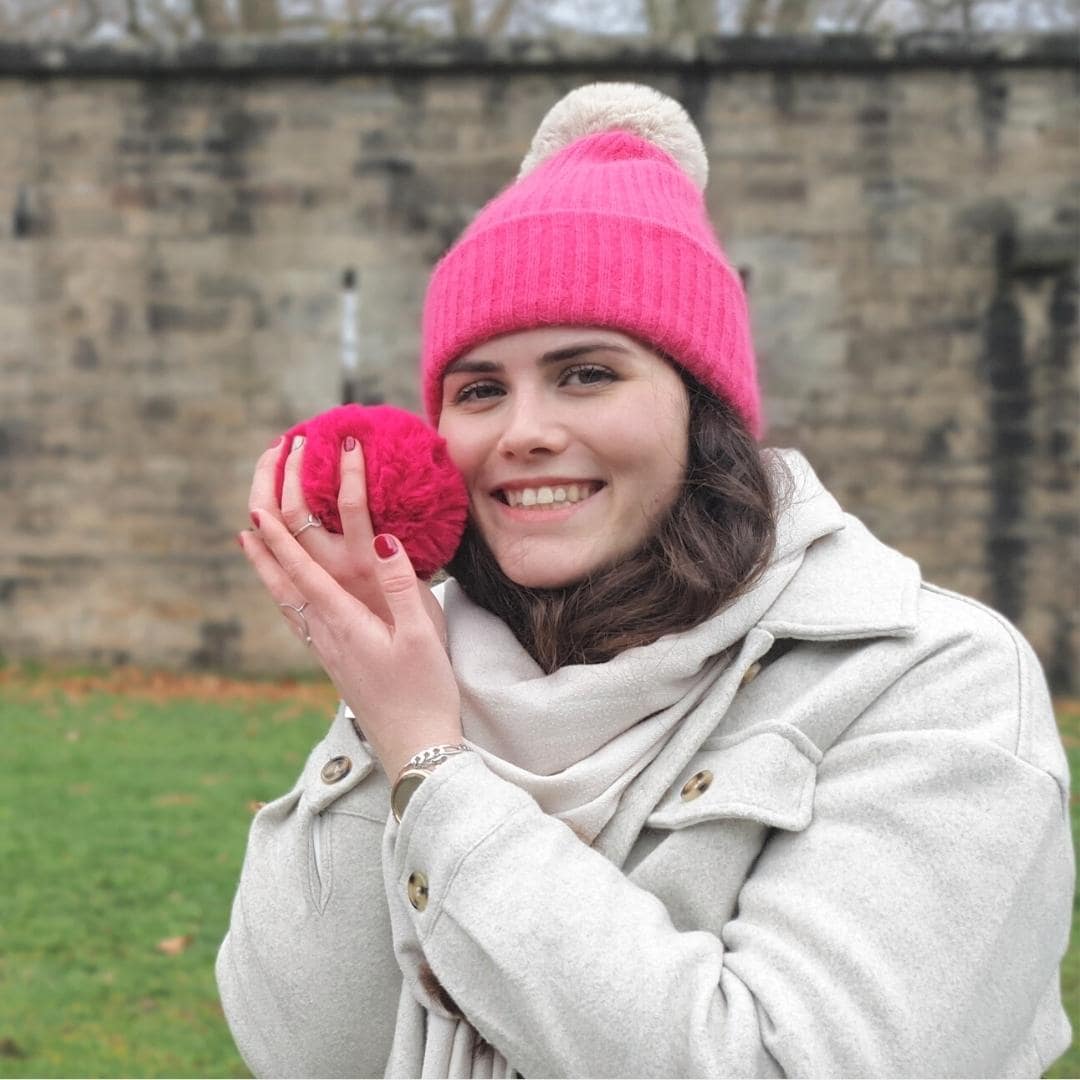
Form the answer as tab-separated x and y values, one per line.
395	676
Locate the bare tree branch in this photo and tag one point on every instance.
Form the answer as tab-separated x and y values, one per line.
700	16
793	16
661	20
657	18
260	16
753	16
212	17
867	14
463	17
499	17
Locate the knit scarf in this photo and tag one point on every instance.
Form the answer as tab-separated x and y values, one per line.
596	745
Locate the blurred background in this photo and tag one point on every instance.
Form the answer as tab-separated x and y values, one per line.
218	216
211	212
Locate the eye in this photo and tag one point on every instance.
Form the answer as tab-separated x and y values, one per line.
589	374
477	391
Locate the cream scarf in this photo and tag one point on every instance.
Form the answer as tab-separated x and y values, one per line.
595	745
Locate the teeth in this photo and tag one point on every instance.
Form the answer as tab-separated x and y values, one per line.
549	497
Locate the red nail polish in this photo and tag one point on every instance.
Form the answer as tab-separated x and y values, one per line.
385	546
275	442
350	443
255	518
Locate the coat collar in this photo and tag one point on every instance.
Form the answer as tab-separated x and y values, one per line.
850	585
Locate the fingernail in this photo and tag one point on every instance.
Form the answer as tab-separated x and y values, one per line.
275	442
255	518
350	443
240	540
385	546
298	441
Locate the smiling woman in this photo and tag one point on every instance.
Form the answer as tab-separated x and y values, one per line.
681	772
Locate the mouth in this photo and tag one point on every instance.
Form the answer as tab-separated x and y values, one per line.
548	496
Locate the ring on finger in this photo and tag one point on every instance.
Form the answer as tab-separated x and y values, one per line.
303	627
312	523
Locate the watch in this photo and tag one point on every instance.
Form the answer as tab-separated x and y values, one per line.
416	770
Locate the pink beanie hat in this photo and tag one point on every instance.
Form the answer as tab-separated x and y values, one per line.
605	226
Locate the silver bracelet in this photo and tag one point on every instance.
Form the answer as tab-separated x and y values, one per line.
416	770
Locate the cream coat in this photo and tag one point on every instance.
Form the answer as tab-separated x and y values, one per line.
877	882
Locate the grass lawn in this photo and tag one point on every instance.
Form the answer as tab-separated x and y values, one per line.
124	807
1068	717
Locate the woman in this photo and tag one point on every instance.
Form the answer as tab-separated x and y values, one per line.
704	781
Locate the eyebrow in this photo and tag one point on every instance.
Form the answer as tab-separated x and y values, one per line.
555	356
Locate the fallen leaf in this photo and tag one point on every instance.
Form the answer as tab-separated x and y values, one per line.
174	946
72	736
255	806
175	798
160	686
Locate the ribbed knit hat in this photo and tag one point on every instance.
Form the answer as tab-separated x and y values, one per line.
605	226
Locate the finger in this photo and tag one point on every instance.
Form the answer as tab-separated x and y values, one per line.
400	586
294	507
277	582
353	503
263	494
333	605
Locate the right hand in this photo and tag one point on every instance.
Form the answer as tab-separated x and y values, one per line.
348	557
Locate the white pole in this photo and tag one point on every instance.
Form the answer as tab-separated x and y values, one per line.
350	335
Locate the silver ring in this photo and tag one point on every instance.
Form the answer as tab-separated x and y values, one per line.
312	523
303	619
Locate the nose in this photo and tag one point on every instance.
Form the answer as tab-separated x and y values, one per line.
532	429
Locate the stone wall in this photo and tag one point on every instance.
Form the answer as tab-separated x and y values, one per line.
175	229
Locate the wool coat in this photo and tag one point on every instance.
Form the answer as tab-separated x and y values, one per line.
864	870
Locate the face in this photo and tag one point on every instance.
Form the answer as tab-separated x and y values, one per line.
573	445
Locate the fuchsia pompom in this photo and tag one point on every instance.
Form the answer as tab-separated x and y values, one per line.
414	490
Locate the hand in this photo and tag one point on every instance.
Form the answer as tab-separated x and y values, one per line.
394	674
347	557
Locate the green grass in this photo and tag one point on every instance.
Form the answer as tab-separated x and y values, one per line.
123	818
124	807
1068	717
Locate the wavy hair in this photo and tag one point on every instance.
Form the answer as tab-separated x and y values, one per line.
710	548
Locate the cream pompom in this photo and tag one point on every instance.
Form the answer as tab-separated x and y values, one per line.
621	107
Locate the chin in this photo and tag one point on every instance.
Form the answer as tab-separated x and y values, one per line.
543	577
544	580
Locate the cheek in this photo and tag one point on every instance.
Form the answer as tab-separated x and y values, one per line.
665	455
463	450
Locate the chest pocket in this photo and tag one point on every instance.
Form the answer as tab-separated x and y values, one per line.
766	774
700	842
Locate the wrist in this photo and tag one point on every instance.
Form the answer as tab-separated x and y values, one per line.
395	758
416	770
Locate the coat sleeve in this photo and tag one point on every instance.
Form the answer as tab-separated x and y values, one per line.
913	927
306	973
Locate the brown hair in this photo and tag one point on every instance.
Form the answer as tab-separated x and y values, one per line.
714	543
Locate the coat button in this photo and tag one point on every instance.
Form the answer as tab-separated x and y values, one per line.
335	769
696	785
417	890
751	673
